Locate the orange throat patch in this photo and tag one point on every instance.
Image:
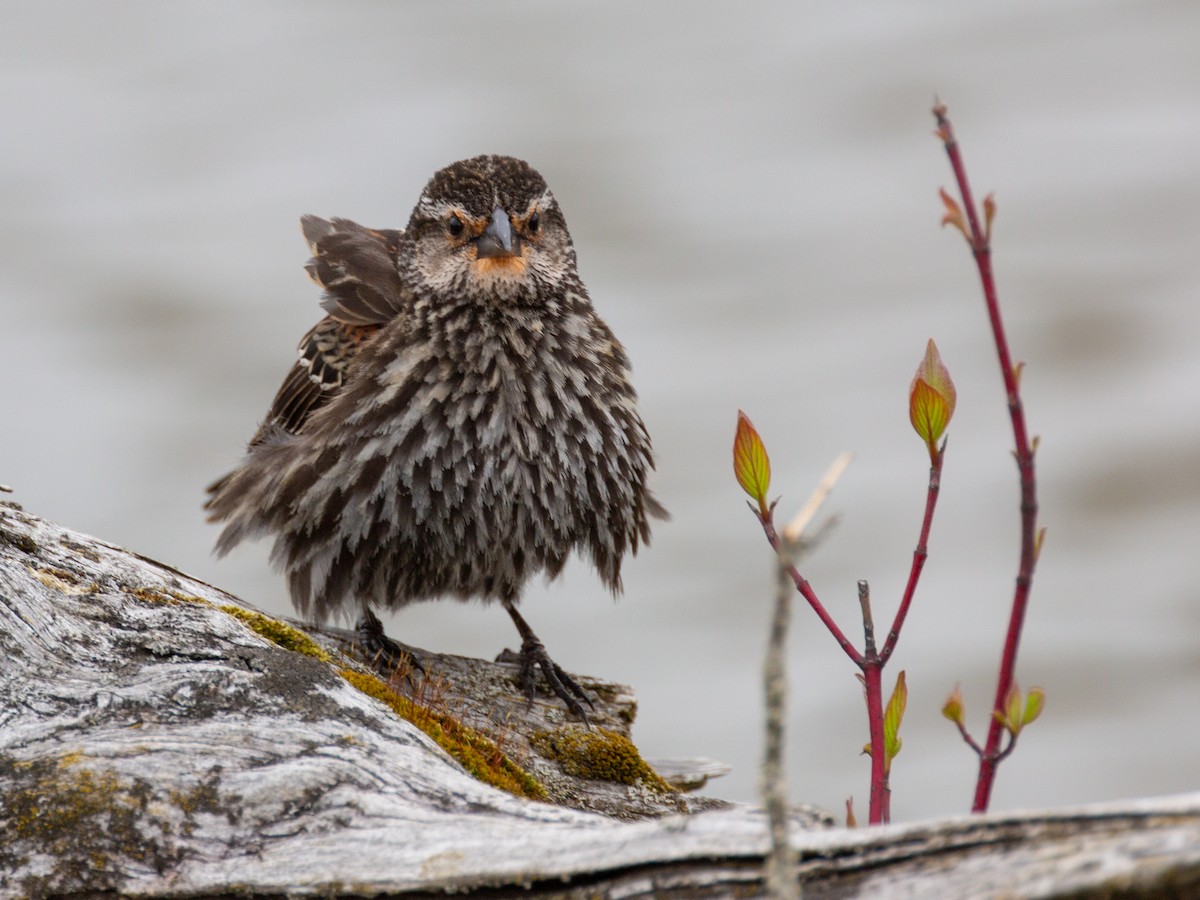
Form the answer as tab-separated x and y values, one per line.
501	268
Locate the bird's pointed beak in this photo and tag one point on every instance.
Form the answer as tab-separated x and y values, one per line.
497	240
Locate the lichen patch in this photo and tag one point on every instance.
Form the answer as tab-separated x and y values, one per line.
477	754
277	632
600	754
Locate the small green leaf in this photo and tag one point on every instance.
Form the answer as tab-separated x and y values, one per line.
1034	703
1013	709
931	399
892	718
751	464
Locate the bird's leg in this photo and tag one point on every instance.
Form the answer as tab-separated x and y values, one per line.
388	656
533	655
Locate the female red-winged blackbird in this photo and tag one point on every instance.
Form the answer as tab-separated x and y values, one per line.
460	421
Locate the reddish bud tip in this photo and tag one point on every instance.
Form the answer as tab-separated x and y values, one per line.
954	709
954	214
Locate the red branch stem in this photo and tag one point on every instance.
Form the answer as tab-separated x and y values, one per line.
870	662
966	736
881	794
872	667
919	556
807	592
979	240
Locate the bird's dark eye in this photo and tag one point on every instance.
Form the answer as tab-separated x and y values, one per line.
454	225
532	225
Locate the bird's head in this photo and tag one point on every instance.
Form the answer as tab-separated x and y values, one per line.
488	228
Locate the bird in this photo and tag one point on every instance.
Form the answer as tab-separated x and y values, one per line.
460	420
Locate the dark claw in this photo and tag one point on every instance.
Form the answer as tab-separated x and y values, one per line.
388	656
533	656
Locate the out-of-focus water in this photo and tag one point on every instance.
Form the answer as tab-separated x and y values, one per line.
752	192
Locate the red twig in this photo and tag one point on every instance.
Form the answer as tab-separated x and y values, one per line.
1003	754
919	556
870	662
806	590
872	667
966	736
980	241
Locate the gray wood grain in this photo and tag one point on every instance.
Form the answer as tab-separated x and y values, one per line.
153	744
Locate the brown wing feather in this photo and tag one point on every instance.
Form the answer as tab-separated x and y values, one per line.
357	268
326	354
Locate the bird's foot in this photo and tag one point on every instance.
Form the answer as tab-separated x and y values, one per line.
390	658
533	656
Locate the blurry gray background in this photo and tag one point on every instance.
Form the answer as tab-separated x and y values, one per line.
752	189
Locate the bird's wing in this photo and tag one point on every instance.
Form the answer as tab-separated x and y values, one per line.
325	355
357	268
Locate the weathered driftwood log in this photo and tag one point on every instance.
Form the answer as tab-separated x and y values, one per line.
160	738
